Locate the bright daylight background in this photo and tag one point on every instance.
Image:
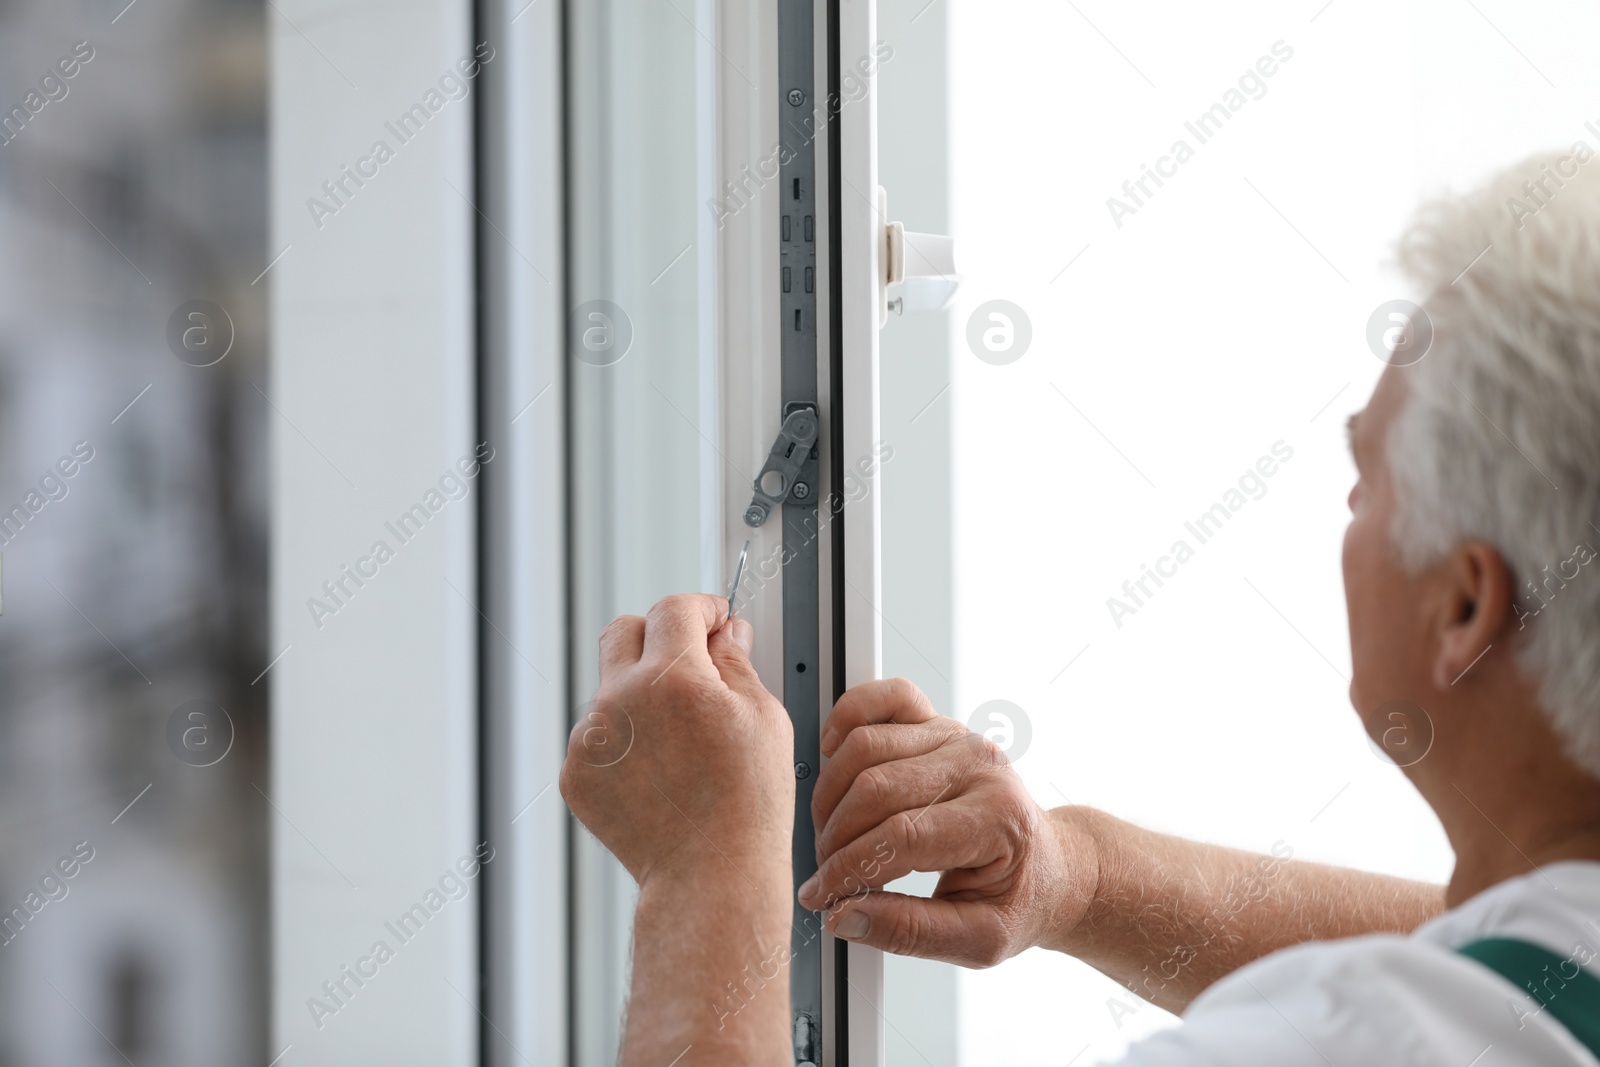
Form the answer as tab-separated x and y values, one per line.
1225	315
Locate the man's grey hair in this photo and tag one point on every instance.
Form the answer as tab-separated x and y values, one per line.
1500	438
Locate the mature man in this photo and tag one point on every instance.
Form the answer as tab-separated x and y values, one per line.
1474	606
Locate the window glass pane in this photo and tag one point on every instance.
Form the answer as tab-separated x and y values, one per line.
133	488
643	387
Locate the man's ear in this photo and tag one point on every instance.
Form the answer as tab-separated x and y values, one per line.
1474	610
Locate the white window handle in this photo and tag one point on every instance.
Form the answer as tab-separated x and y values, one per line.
921	267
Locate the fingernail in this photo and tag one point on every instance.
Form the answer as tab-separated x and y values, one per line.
744	634
852	927
808	888
830	741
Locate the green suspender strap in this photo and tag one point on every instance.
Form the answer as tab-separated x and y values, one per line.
1573	998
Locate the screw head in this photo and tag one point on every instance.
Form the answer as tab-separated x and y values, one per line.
796	97
755	515
802	770
801	490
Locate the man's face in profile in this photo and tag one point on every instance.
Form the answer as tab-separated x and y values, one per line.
1389	649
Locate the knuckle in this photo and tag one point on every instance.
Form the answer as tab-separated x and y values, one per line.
980	750
854	750
901	691
902	832
876	742
670	606
905	933
875	787
1017	807
603	706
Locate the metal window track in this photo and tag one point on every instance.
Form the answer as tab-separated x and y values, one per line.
790	482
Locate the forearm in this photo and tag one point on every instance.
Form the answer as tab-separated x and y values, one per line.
710	970
1171	916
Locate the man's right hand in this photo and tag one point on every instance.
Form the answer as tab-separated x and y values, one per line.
906	789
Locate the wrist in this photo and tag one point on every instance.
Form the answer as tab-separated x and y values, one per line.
1074	837
711	945
728	876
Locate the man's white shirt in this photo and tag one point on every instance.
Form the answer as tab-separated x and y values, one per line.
1402	1000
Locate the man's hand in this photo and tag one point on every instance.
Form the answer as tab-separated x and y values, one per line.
684	768
906	789
683	761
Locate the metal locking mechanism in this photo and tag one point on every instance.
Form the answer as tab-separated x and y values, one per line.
779	479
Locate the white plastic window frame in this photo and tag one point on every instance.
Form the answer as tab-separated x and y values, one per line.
375	742
739	123
470	726
748	130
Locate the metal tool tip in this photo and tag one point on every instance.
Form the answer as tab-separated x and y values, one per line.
738	576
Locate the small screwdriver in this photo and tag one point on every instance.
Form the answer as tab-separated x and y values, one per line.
738	575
